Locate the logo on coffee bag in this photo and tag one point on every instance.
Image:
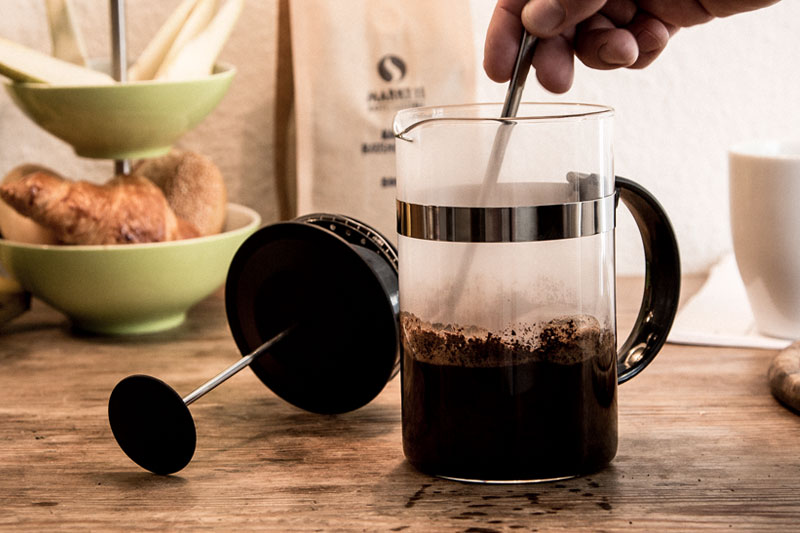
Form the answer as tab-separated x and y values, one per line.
391	68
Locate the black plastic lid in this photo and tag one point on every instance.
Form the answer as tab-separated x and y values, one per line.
335	280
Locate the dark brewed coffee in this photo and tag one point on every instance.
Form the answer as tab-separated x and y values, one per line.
534	402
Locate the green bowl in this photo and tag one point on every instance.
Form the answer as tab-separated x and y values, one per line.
129	288
123	121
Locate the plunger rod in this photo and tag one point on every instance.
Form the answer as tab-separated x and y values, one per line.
223	376
119	63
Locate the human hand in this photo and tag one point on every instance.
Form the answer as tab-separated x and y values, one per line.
603	34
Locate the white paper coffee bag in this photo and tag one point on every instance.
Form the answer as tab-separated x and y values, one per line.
356	63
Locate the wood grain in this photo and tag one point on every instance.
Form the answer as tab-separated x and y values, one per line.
703	446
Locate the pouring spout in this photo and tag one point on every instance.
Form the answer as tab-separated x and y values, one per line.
408	119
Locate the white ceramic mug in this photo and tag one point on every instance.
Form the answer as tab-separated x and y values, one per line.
765	221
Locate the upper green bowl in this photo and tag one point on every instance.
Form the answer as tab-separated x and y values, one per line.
123	121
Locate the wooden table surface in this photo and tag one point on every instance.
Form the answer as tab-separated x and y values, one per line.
703	446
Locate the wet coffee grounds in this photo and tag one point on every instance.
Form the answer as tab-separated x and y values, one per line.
533	401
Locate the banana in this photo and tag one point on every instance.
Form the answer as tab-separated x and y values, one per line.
14	300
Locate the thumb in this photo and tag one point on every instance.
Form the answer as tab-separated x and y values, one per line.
547	18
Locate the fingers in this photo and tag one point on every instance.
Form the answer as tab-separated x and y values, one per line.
555	19
651	36
620	12
548	18
554	64
682	13
619	35
601	45
725	8
502	40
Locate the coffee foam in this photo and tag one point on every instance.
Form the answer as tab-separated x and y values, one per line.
564	340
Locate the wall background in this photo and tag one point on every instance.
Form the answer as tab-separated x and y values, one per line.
726	81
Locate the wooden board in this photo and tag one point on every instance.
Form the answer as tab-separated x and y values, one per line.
703	446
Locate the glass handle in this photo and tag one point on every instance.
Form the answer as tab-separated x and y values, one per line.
662	281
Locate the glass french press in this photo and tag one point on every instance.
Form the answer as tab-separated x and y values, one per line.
507	290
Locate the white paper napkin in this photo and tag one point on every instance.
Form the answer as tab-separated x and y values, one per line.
720	315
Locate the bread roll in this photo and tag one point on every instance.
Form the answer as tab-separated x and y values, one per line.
193	186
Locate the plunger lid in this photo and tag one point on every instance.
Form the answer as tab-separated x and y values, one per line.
335	280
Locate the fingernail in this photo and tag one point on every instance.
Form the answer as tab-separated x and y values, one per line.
648	41
610	57
543	16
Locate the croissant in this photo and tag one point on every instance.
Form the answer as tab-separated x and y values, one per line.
127	209
16	227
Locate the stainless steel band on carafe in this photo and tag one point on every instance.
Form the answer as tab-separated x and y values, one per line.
506	224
